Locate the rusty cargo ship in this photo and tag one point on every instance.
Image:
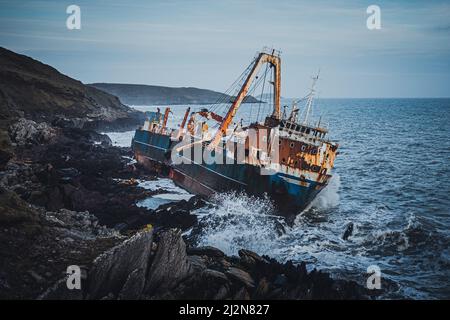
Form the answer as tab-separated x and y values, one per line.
283	155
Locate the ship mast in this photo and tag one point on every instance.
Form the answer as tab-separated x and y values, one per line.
270	58
310	98
294	111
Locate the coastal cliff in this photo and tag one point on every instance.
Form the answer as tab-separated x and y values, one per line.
36	91
140	94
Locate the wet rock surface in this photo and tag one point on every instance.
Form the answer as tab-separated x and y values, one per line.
36	251
164	270
62	193
114	271
79	170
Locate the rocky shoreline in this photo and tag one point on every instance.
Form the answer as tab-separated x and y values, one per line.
68	197
158	265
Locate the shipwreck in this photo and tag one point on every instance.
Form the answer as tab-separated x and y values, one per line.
281	154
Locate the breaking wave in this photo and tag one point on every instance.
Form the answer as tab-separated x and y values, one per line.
120	139
237	221
329	197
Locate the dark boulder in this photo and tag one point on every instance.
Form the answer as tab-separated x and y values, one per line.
250	258
26	131
172	217
169	265
206	251
348	231
163	270
214	276
241	276
112	271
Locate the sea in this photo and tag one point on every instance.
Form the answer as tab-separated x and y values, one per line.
391	181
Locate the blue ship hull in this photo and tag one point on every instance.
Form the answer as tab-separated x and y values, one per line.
289	192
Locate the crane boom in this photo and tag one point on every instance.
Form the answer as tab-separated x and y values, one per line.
210	115
274	61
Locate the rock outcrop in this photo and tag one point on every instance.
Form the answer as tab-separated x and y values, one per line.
58	196
169	265
140	269
26	131
122	269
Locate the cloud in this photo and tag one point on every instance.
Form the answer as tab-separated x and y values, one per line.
206	43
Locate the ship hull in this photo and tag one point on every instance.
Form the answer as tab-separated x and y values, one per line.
290	193
202	179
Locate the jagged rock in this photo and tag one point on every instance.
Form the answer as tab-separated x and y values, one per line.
214	276
170	264
348	231
77	225
172	217
28	131
241	276
195	202
178	214
64	122
134	285
111	270
206	251
224	263
198	264
250	258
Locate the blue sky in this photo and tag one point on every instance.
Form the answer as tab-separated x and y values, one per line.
207	43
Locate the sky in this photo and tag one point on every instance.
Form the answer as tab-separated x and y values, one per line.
208	43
